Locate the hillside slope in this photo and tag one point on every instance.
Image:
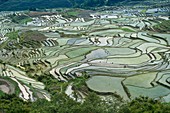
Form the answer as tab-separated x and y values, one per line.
28	4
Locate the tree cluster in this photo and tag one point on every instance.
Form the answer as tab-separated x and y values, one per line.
60	103
93	3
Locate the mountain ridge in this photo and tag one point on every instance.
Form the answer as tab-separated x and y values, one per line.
8	5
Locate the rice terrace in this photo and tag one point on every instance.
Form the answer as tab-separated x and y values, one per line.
120	52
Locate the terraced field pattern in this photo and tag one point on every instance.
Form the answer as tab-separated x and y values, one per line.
123	56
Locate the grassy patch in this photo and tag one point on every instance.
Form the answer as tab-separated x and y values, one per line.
127	30
20	19
24	21
13	35
163	27
73	13
144	11
1	93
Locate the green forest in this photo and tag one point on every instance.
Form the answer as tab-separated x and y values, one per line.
31	4
60	103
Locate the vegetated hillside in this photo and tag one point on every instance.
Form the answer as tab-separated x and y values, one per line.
29	4
93	3
163	27
92	104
